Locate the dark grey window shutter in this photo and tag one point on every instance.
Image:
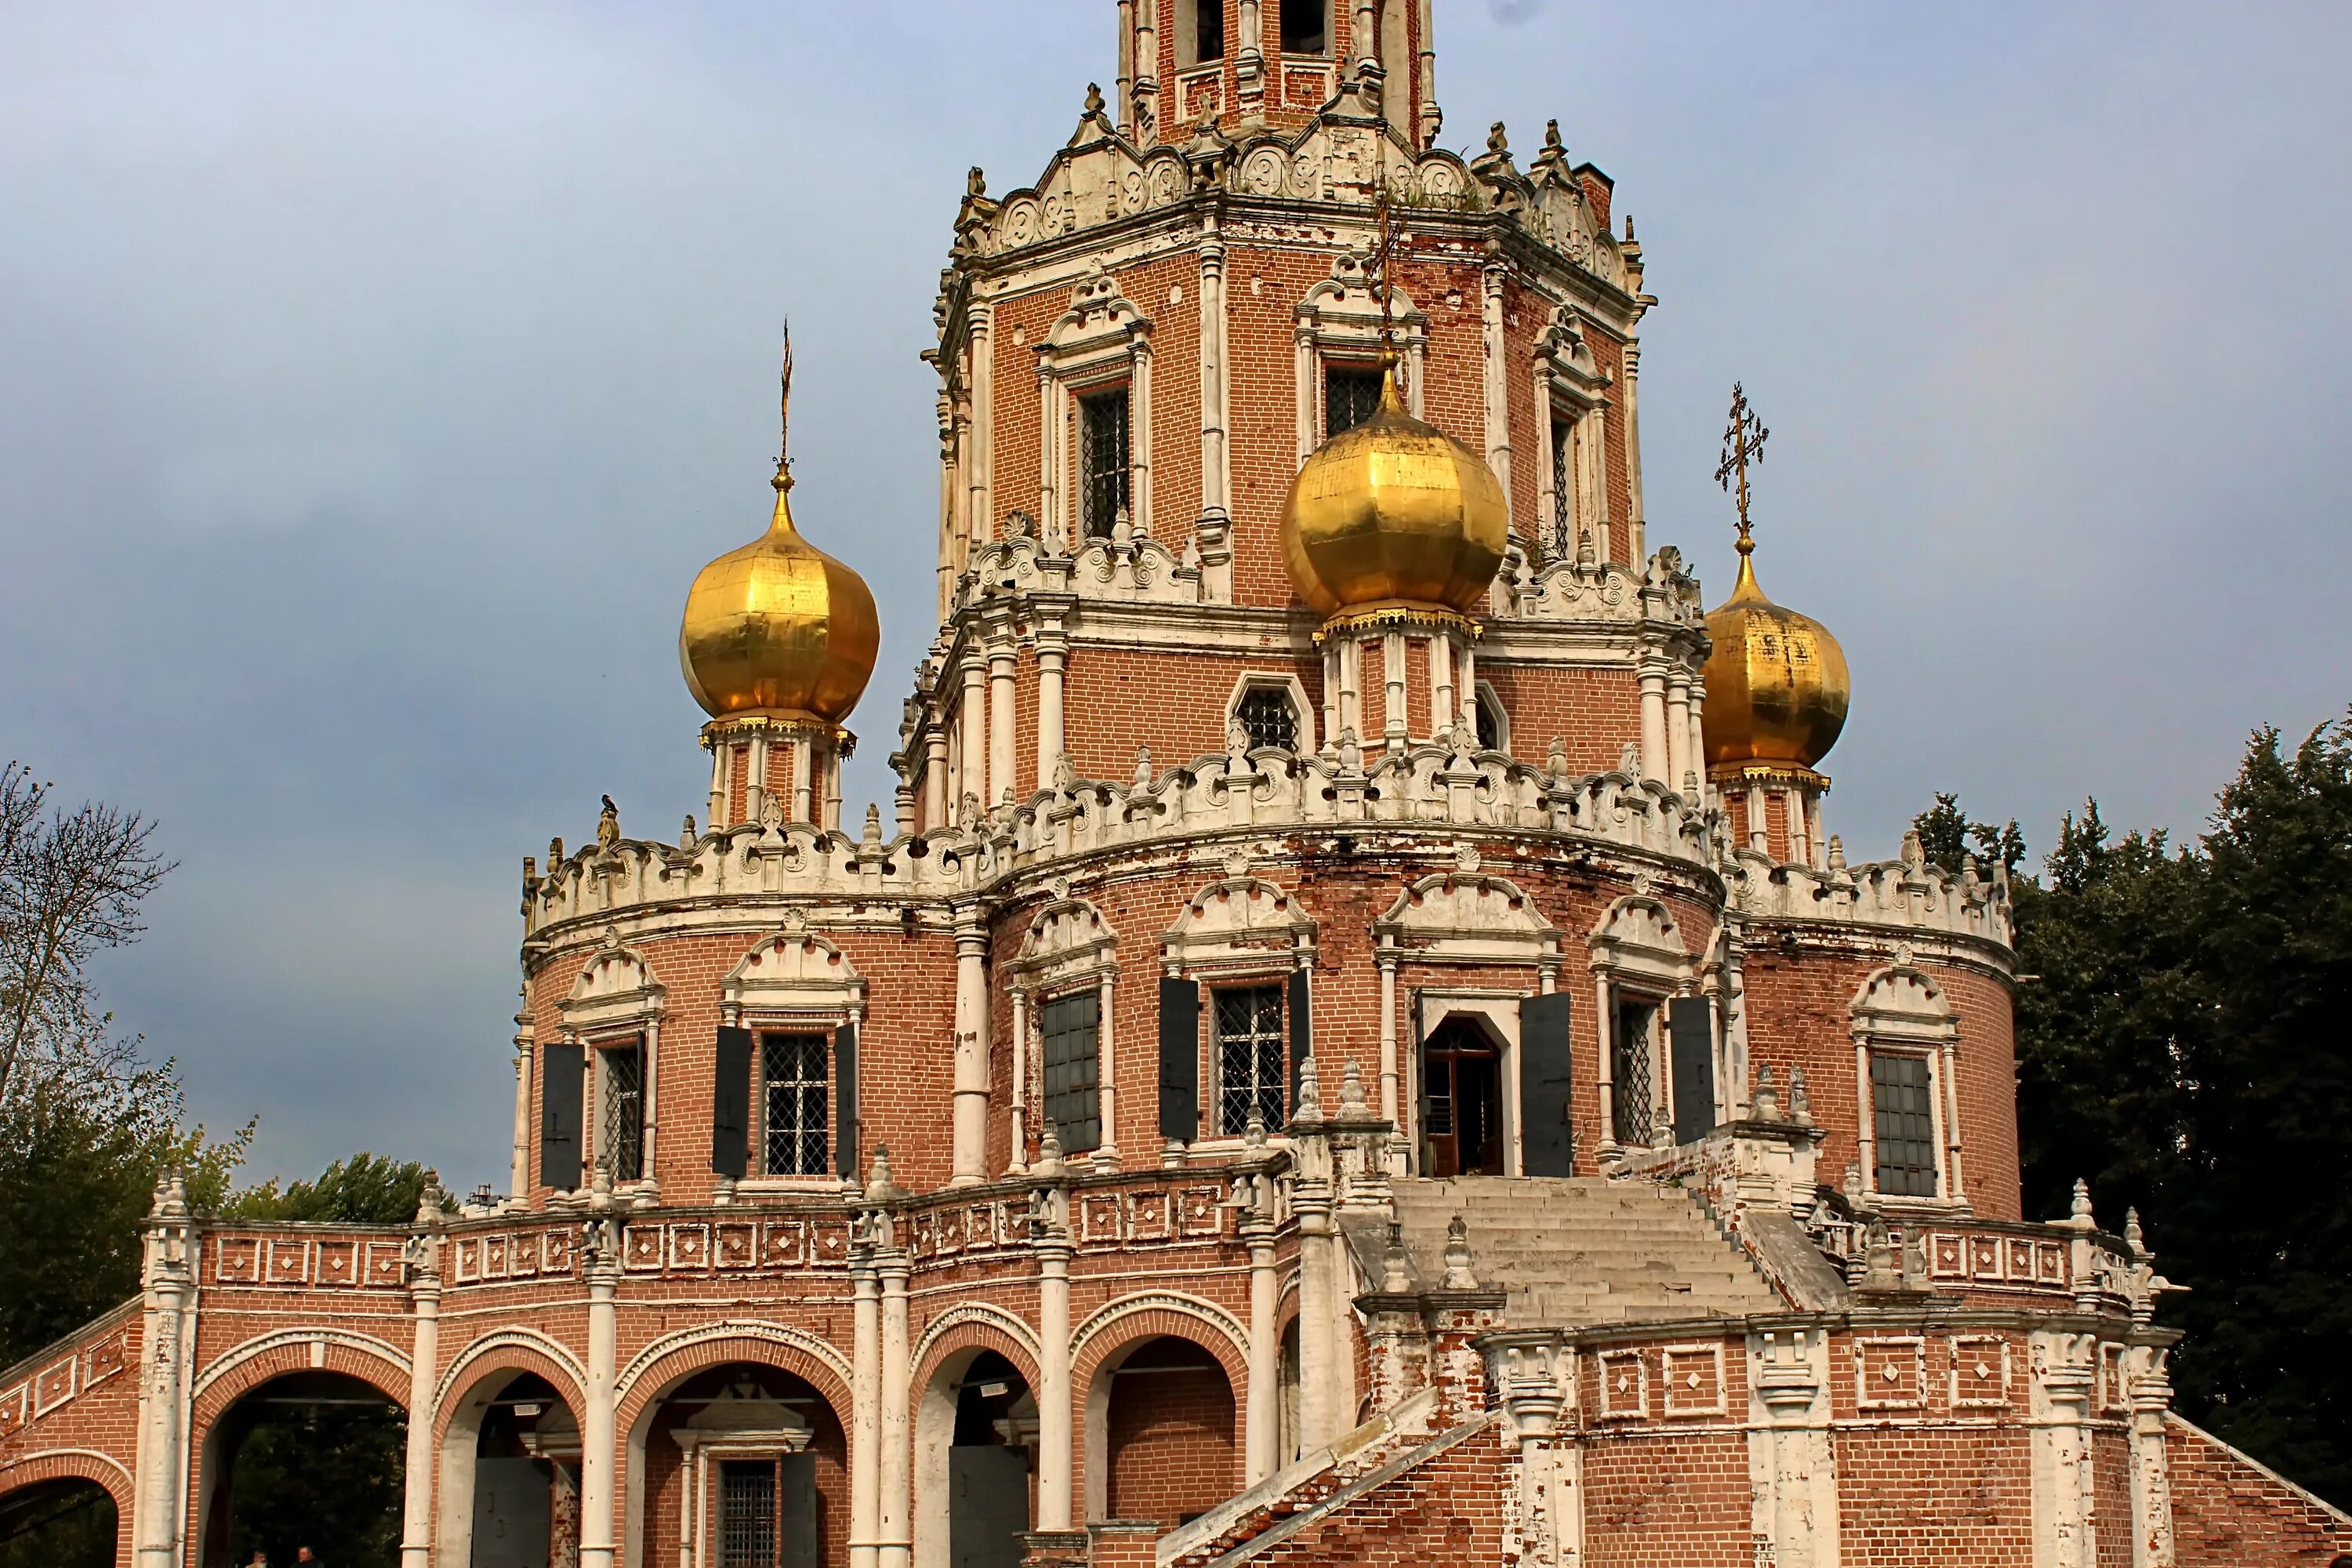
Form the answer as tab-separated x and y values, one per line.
1302	1029
1547	1141
1690	1032
801	1537
844	1097
730	1104
565	1068
1180	1060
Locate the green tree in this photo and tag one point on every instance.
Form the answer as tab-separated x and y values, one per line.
1949	838
366	1189
2182	1044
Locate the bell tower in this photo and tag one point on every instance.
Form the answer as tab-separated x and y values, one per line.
1273	64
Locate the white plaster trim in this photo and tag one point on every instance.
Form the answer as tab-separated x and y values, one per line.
965	1312
1112	1314
734	1329
366	1344
511	1338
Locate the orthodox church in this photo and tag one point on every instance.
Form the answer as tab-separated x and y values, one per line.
1356	1039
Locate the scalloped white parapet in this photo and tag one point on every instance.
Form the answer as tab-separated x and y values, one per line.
1910	894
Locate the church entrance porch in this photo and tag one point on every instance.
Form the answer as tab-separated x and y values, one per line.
744	1466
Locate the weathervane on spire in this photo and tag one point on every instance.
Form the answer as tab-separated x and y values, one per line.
784	480
1743	443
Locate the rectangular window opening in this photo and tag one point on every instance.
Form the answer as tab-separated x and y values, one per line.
793	1127
1563	490
1305	27
1072	1026
1350	394
624	1111
1104	457
1208	32
1631	1056
1252	1057
747	1514
1903	1125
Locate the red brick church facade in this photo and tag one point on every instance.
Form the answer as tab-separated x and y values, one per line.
1391	1084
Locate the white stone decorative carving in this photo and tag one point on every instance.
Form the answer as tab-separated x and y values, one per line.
1068	940
616	987
1239	919
794	973
1469	917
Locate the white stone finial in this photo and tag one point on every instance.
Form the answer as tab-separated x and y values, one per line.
1396	1270
2080	1210
1767	1100
1310	1092
1458	1256
1351	1088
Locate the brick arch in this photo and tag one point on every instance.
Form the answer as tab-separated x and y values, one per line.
500	1354
656	1369
1122	1323
237	1371
101	1470
985	1330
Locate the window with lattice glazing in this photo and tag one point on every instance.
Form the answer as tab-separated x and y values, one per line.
1562	543
1265	713
1104	456
1903	1125
1631	1070
625	1111
793	1127
1072	1025
748	1537
1350	394
1252	1065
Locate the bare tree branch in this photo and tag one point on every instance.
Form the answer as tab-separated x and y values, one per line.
72	886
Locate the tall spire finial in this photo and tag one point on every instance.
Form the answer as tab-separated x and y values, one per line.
1376	274
1743	443
784	480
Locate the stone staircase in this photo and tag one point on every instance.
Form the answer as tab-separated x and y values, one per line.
1584	1249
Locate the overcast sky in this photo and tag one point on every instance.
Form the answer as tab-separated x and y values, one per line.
374	378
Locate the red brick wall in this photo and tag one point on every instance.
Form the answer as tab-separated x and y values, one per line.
1668	1502
1446	1513
2228	1512
1171	1444
1930	1497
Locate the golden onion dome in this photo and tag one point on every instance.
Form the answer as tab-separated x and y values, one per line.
778	627
1394	512
1777	686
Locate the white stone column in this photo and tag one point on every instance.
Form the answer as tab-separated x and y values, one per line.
803	778
1697	740
1430	116
1637	525
1792	1460
596	1500
1442	705
1351	685
2064	1376
160	1482
1126	64
1392	708
1792	811
1390	1076
865	1414
1604	1024
1950	1086
1499	404
971	1116
1216	483
1654	720
755	780
978	512
1318	1356
972	741
1331	692
518	1165
424	1367
1760	832
1107	1058
2151	1471
1678	728
897	1537
1147	72
715	818
935	776
1054	1393
1003	738
1819	845
1018	1164
1262	1420
1467	684
1053	658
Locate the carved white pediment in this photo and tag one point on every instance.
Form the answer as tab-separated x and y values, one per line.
615	987
1100	323
794	972
1637	934
1576	376
1900	1002
1068	940
1471	917
1239	919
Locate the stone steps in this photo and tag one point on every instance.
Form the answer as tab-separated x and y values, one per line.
1584	1249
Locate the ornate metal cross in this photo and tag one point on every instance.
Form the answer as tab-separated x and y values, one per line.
1743	443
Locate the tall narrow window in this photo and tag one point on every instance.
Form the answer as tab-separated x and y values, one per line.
1305	30
1631	1061
1490	721
1072	1025
623	1097
793	1122
1905	1128
1350	394
1208	31
1265	711
1103	458
1563	492
747	1514
1250	1060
